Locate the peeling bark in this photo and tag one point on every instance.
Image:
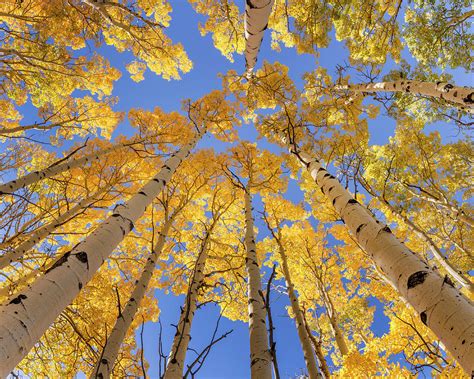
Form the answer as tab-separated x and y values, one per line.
260	357
25	319
441	306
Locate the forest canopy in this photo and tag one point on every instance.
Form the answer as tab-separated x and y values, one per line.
232	189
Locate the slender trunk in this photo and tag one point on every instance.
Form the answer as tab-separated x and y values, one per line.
260	358
461	96
458	213
104	366
442	260
295	306
26	317
323	366
333	320
57	168
44	231
256	17
441	306
23	228
177	356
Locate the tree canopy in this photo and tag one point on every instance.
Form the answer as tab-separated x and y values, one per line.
299	172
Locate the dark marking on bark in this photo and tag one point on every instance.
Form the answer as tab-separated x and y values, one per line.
469	99
448	280
360	227
82	257
59	262
416	279
104	361
142	193
80	285
424	318
386	229
18	299
352	201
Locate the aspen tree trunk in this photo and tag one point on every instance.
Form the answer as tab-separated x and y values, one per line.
260	358
55	169
44	231
26	317
177	356
256	17
442	260
463	96
104	366
332	315
23	228
323	366
295	306
458	213
441	306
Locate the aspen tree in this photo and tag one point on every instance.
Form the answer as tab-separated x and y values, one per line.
58	167
262	170
177	356
441	307
43	231
460	96
105	364
28	315
295	306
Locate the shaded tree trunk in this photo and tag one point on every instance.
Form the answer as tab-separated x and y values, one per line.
177	356
26	317
295	306
461	96
260	357
256	17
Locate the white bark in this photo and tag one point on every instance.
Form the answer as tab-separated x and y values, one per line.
463	96
257	13
26	317
44	231
442	260
177	356
103	368
260	357
55	169
441	306
295	306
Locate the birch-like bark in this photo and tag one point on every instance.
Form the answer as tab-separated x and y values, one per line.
260	357
26	317
457	212
177	356
461	96
57	168
104	366
256	17
295	306
44	231
441	306
442	260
